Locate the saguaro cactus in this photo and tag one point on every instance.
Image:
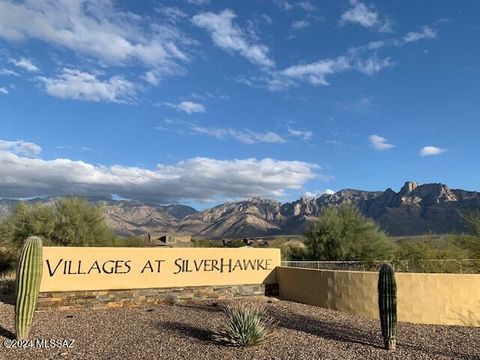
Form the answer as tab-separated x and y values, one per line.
387	304
29	274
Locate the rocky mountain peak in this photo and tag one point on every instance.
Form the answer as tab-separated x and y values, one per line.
414	210
408	187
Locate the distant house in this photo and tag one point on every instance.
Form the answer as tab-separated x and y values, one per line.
167	239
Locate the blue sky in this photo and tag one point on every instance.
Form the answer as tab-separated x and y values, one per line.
199	101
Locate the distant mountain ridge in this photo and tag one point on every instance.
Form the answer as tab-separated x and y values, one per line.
414	210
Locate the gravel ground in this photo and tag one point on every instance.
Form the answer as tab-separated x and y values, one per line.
184	332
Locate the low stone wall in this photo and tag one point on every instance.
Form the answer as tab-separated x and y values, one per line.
101	299
443	299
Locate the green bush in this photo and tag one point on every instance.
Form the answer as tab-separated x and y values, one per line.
442	254
69	222
343	233
132	241
472	219
77	223
246	325
26	220
8	259
204	243
236	243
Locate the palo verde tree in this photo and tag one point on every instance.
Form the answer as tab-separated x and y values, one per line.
343	233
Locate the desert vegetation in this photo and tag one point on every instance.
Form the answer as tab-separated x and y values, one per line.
245	325
344	234
340	233
71	221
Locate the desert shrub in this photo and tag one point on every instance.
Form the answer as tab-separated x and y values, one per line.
235	243
280	243
472	220
245	325
26	220
443	254
131	241
77	223
343	233
205	243
69	222
297	253
8	259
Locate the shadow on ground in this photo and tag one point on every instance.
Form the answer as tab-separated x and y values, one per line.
6	333
333	330
218	307
323	328
7	297
191	331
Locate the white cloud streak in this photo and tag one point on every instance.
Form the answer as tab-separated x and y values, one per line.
8	72
305	135
4	91
244	136
78	85
426	33
230	37
188	107
300	24
380	143
20	147
199	179
365	15
96	29
317	194
431	151
25	64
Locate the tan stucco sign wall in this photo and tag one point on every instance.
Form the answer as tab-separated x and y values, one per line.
82	268
444	299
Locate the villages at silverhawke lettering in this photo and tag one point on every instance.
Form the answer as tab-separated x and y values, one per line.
77	267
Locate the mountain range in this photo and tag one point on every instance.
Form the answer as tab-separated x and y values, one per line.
414	210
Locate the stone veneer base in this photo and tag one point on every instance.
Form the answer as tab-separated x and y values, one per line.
101	299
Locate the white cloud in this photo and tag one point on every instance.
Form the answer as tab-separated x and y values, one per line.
200	179
317	194
300	24
8	72
188	106
96	29
20	147
366	16
191	107
171	13
316	72
75	84
372	65
228	36
426	33
3	91
243	136
431	150
305	135
306	5
24	63
199	2
283	4
380	143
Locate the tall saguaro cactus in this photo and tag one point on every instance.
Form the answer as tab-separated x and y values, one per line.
387	304
29	274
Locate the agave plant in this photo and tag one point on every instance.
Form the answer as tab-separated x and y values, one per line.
246	325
